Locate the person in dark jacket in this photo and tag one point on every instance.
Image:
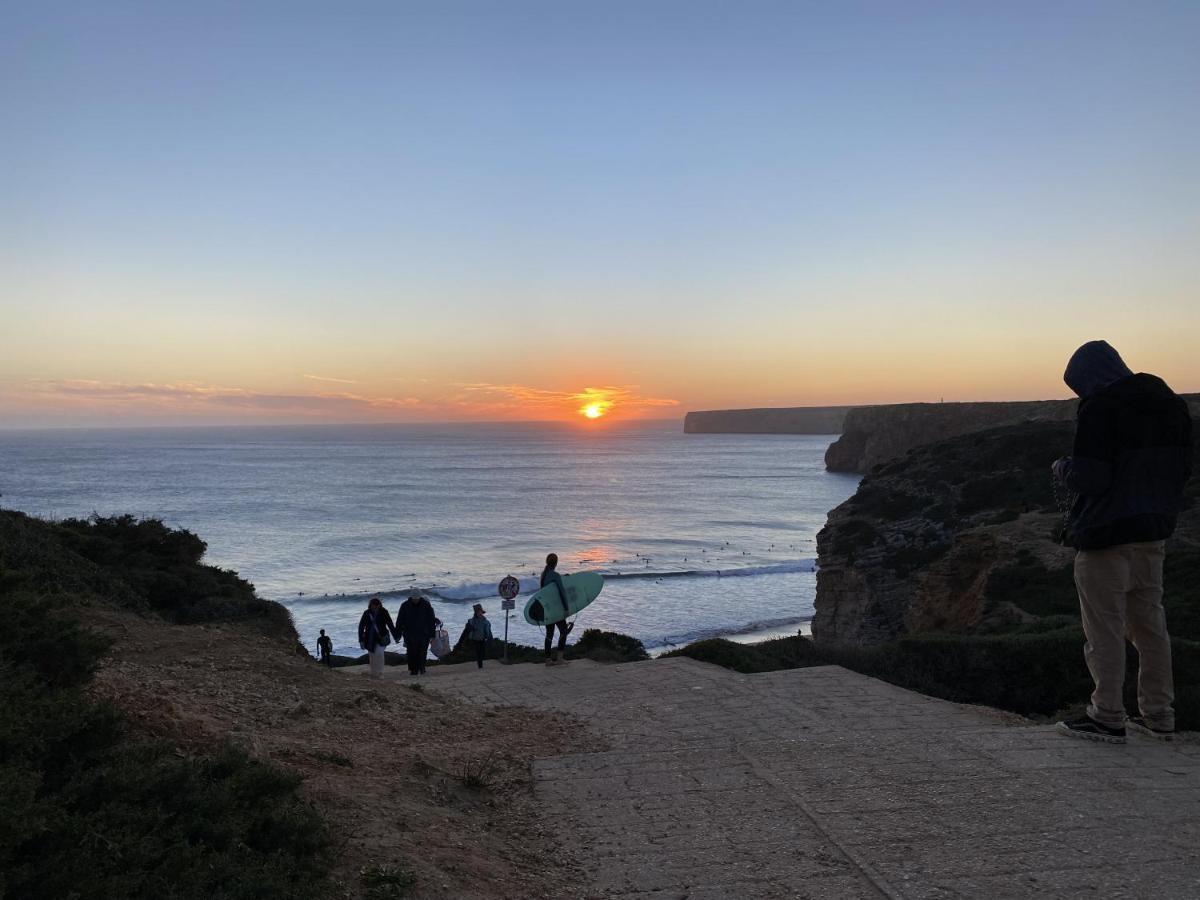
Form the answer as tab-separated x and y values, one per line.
416	623
374	629
1130	462
550	576
325	648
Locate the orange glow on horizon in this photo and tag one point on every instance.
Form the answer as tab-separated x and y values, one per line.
593	411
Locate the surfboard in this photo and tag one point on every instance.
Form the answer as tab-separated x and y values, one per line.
582	589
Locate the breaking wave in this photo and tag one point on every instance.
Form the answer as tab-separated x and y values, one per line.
469	592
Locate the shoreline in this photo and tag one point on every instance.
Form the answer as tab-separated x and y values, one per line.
745	636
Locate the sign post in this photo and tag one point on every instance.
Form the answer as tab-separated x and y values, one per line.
509	588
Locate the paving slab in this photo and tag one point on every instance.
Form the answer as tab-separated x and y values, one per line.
823	783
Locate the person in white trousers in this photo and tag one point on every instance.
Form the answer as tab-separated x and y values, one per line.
375	632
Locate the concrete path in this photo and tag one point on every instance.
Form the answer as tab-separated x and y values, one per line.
824	783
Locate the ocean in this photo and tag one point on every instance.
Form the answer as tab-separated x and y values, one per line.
696	535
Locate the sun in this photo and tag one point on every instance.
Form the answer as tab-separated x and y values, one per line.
593	410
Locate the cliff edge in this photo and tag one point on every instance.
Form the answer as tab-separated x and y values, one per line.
876	434
783	420
872	435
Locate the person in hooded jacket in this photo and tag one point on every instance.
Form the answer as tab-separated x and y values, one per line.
416	623
1128	467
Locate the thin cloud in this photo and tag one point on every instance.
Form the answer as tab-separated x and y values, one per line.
195	396
522	398
328	378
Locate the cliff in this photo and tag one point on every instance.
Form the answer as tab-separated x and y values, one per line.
872	435
784	420
875	434
961	536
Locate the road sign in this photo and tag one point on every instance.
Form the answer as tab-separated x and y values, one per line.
508	589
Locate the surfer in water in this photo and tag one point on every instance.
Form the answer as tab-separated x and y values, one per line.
551	576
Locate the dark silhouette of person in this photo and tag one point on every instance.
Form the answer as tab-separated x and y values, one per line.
325	648
374	629
416	623
550	576
1130	462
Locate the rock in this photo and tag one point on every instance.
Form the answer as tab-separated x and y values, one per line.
877	434
958	536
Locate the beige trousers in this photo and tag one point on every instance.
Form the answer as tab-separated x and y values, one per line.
1120	595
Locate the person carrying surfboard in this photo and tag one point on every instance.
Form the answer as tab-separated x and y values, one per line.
551	576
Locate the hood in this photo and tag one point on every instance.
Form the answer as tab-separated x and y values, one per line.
1094	366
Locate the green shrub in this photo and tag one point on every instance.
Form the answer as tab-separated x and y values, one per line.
91	809
593	644
607	646
1029	585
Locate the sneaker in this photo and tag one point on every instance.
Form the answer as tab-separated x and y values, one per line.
1138	724
1091	730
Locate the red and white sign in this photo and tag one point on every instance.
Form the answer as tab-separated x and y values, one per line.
509	588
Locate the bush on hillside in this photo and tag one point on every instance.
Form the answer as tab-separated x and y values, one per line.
138	564
92	809
593	644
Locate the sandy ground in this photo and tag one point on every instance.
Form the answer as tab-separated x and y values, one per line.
388	765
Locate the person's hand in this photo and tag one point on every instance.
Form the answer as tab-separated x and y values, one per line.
1060	468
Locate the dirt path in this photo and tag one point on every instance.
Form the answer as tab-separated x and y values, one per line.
390	766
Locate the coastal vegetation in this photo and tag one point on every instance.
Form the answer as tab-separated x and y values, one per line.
93	807
167	737
594	644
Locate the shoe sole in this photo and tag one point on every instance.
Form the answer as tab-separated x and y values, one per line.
1150	732
1087	736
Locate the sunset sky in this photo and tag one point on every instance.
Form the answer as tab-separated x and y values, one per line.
388	211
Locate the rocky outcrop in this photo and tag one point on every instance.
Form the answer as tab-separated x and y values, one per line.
962	536
875	434
872	435
787	420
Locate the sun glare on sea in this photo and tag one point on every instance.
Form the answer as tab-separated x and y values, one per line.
593	410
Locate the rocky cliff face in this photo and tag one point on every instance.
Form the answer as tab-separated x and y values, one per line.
876	434
788	420
872	435
961	535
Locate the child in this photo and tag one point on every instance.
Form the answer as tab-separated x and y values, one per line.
479	631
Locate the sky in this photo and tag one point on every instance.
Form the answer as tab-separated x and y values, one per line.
410	211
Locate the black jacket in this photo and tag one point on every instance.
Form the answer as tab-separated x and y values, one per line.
415	621
1131	460
371	637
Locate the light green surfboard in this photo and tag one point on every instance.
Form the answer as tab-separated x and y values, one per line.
582	589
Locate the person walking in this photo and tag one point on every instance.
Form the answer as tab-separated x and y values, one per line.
1131	459
325	649
478	631
416	623
550	576
374	629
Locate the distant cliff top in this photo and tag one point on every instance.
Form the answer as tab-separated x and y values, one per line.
872	435
781	420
